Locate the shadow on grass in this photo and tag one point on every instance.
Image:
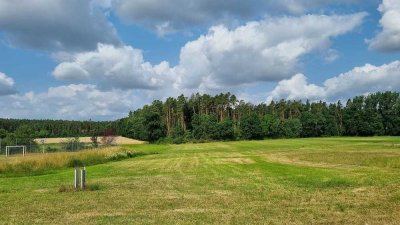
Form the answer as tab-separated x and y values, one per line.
89	187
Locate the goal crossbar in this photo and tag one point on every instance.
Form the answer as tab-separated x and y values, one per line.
17	146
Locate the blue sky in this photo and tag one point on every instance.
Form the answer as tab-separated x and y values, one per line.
98	59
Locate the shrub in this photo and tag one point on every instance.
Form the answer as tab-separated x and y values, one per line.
124	155
117	156
51	149
72	144
75	163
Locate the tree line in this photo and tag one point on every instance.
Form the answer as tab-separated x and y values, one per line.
23	131
55	128
202	117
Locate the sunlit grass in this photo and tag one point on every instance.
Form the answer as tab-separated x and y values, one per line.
297	181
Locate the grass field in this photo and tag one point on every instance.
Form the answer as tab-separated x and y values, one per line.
299	181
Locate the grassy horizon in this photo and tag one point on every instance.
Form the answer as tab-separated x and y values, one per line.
294	181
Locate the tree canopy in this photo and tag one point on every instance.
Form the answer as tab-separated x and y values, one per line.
224	117
202	117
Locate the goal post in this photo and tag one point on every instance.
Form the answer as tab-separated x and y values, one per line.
17	146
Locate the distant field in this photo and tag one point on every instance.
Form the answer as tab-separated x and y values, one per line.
119	140
297	181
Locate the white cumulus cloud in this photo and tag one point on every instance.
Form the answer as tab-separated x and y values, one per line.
7	85
267	50
122	67
55	24
297	88
388	40
358	81
175	15
75	101
85	101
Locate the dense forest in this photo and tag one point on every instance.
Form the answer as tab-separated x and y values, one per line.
56	128
224	117
22	132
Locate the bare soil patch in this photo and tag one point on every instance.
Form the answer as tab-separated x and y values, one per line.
119	140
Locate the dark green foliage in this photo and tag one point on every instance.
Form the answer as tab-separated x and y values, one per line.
9	140
23	135
291	128
75	163
3	133
223	117
154	127
270	126
204	117
56	128
24	132
224	130
51	149
126	155
362	116
250	127
314	124
205	126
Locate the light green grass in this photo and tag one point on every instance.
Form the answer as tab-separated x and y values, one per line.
299	181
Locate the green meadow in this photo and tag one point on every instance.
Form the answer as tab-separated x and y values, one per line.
293	181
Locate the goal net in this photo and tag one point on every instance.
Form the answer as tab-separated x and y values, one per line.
9	148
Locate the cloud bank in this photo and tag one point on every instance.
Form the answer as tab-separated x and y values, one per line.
267	50
7	85
121	67
70	25
85	101
176	15
358	81
388	40
74	102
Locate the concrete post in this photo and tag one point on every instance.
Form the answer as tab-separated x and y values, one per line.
76	183
83	178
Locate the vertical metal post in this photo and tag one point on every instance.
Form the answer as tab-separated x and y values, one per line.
42	141
83	178
76	183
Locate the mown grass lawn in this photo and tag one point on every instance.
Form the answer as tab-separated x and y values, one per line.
299	181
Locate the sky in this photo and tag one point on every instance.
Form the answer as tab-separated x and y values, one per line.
100	59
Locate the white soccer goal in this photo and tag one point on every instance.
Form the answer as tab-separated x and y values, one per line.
19	146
